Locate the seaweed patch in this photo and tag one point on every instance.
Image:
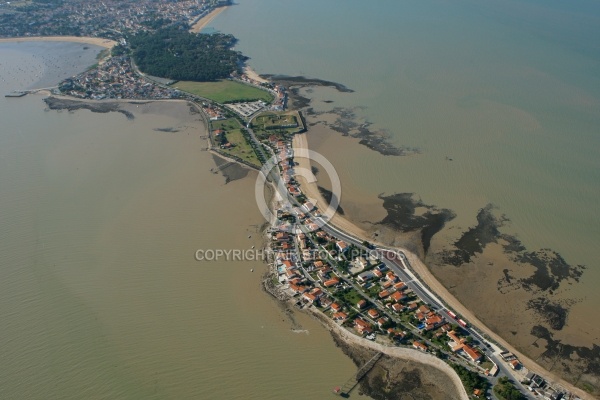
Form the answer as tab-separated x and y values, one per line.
402	216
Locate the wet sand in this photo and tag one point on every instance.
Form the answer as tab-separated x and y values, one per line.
391	238
411	355
106	43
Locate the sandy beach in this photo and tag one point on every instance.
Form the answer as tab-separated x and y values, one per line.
311	191
204	21
106	43
253	75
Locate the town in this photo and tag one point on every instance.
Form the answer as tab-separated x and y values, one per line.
372	293
367	290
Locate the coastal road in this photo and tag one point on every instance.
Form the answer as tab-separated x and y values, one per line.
399	264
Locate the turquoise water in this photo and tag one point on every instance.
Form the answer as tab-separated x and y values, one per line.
509	90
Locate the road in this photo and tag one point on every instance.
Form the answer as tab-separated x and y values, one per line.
400	265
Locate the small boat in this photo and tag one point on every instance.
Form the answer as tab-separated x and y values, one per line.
251	269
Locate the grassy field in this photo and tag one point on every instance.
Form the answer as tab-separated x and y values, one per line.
274	123
241	148
224	91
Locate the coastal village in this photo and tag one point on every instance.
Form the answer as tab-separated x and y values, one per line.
351	284
353	287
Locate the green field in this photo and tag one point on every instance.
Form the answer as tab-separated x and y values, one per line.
280	124
241	148
224	91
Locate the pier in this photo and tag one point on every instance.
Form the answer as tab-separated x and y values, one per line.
351	383
15	94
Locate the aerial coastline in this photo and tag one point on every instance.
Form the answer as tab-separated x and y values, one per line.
299	143
106	43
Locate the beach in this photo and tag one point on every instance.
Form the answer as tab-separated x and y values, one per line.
310	189
106	43
207	19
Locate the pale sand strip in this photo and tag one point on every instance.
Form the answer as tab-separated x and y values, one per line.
399	352
253	75
207	19
311	191
106	43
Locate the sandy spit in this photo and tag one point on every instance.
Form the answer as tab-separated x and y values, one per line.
106	43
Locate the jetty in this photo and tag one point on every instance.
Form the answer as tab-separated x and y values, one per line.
351	383
15	94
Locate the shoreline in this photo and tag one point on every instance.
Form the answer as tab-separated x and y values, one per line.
106	43
310	189
252	74
207	19
397	352
342	223
351	340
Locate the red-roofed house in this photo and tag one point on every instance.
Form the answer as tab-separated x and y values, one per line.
419	346
362	326
331	282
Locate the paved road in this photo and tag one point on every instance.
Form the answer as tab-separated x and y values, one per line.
400	265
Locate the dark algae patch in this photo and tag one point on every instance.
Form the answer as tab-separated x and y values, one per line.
54	103
539	283
230	170
302	81
579	361
550	270
402	216
475	239
328	196
553	313
348	124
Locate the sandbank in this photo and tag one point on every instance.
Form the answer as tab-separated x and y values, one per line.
106	43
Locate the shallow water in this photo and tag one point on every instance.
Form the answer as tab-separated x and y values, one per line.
100	294
508	90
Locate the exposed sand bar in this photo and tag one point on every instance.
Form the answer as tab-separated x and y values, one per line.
311	190
106	43
204	21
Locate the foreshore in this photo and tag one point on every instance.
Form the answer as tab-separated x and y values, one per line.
397	352
310	189
106	43
207	19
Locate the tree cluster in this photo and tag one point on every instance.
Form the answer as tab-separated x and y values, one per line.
506	390
471	380
178	54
